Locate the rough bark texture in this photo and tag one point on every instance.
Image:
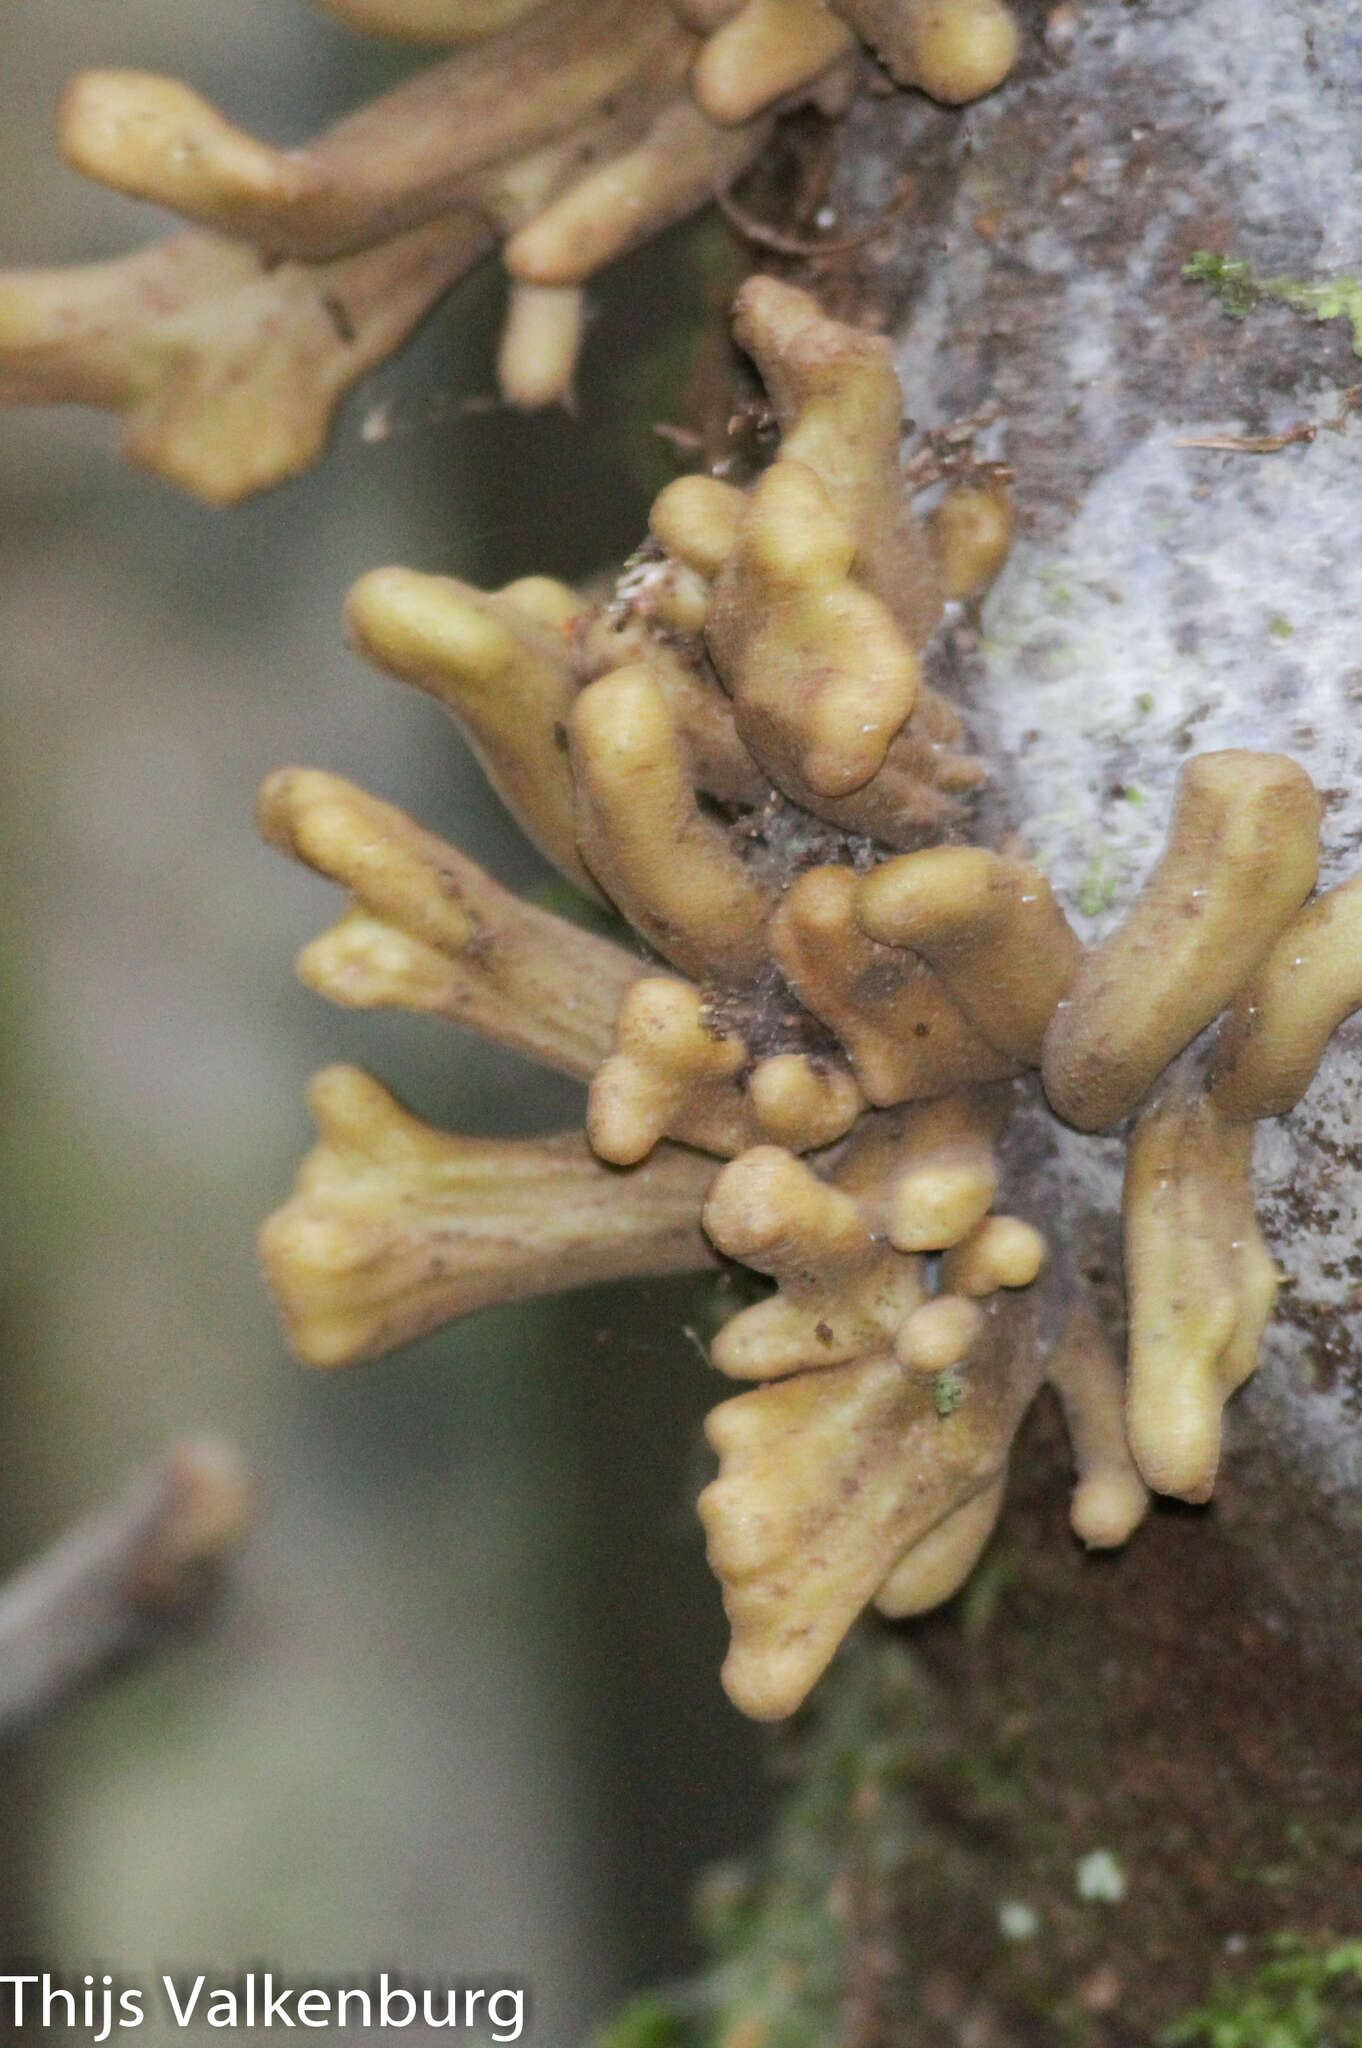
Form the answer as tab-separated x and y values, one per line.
1188	1706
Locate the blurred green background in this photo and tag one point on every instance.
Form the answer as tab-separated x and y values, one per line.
461	1713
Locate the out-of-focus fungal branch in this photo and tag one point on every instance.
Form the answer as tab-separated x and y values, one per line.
226	368
570	131
956	51
421	149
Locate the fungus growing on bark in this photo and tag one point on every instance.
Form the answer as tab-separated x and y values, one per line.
1242	856
848	1025
566	131
1200	1281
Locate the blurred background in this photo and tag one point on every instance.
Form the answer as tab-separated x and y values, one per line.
460	1715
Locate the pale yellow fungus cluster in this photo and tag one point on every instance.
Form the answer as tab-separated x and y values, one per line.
739	752
657	749
567	132
809	1064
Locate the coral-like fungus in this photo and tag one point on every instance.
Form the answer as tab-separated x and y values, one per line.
739	751
567	131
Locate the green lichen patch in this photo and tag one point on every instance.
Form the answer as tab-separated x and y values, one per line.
1307	1994
948	1390
1232	282
646	2022
1227	278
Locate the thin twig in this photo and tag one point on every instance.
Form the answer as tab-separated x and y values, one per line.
1272	444
119	1583
1252	444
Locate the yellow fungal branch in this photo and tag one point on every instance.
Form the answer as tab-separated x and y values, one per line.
1000	1251
828	1483
678	1071
1200	1281
842	1292
429	931
568	131
904	1037
822	679
1110	1500
395	1228
939	1335
946	1177
1274	1034
1242	856
671	869
503	667
990	929
821	1088
971	534
840	410
956	50
669	1072
764	50
938	1564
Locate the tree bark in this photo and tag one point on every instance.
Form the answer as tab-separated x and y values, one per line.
1094	1786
